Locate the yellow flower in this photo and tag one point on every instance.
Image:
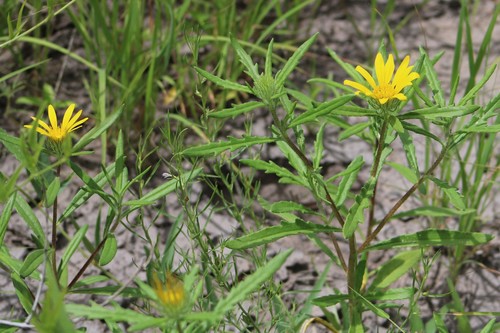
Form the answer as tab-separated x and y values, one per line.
68	125
171	293
385	88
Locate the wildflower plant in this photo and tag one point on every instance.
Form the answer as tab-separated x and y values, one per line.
342	218
389	101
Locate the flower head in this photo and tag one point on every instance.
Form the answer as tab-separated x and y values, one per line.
68	125
170	292
385	87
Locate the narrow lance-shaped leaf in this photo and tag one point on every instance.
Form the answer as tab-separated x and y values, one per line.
294	61
451	192
73	246
251	283
236	110
434	83
164	189
223	83
232	144
246	60
322	110
95	132
271	234
433	237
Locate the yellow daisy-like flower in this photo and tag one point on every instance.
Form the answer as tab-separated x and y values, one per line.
386	87
68	125
171	293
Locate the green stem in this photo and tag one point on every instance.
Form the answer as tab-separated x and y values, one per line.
373	173
403	199
310	168
54	231
351	282
96	251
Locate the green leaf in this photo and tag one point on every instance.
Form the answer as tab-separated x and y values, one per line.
483	128
433	212
489	327
312	115
420	130
221	146
95	132
404	171
433	237
353	130
431	76
411	156
363	199
121	169
99	312
451	192
293	61
388	295
237	110
109	250
73	246
288	206
472	93
32	261
91	184
251	283
348	68
86	192
251	67
292	157
23	292
223	83
318	147
25	211
164	189
433	112
356	212
348	180
5	217
285	175
52	192
271	234
395	268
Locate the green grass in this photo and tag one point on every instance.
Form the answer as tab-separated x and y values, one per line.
165	83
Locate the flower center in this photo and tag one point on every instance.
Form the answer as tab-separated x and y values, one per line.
57	134
384	91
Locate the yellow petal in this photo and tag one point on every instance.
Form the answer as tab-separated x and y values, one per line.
67	115
73	120
389	69
53	117
383	100
403	70
401	97
42	124
43	132
367	76
358	86
379	68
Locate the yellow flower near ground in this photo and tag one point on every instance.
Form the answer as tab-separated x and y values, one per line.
68	125
171	293
385	87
